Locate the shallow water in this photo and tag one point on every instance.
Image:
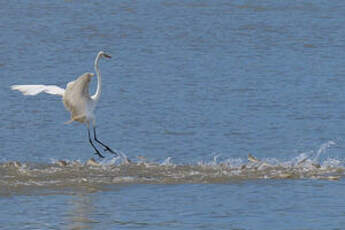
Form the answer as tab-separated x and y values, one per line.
227	115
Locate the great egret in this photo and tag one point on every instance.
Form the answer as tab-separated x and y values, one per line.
76	99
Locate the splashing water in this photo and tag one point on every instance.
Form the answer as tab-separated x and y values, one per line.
323	149
60	174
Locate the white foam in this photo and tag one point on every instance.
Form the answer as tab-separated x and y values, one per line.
167	162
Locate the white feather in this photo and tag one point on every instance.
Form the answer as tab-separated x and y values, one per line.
36	89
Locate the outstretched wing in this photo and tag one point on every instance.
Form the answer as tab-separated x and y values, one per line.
36	89
76	98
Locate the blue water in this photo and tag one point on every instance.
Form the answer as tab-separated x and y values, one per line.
193	87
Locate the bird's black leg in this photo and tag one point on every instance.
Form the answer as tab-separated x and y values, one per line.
106	148
93	146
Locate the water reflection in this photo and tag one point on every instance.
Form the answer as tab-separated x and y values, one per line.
81	212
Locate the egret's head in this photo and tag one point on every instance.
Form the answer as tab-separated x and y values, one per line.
103	54
90	74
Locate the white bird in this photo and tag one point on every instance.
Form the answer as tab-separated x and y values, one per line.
76	99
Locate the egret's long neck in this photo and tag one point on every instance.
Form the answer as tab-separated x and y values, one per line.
99	80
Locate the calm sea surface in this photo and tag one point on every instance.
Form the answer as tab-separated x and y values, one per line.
226	115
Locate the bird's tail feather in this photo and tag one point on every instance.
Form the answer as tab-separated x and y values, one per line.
80	118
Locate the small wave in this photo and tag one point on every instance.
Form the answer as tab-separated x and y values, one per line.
62	174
